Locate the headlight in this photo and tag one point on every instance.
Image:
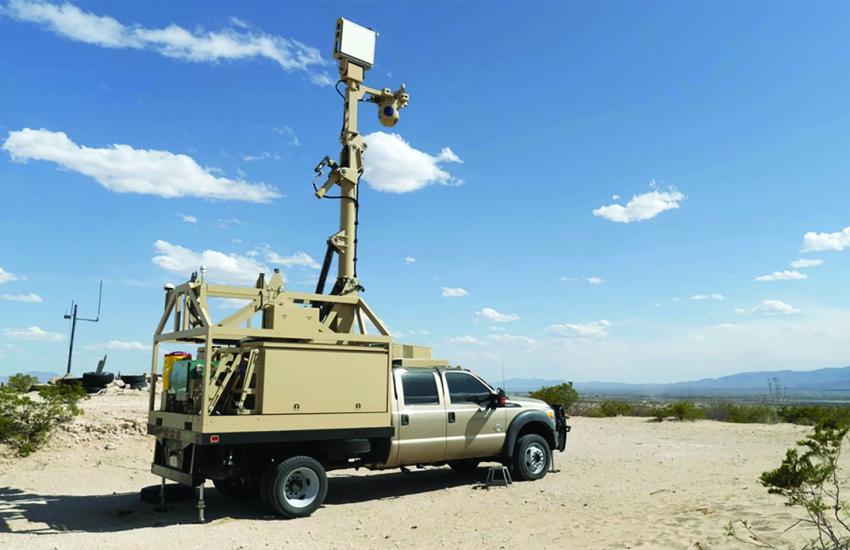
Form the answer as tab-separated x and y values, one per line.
550	413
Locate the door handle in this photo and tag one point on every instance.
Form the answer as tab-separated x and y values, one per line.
405	420
451	418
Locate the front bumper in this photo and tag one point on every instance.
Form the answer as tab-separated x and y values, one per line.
561	427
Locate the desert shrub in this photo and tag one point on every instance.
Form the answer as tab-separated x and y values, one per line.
26	423
615	408
810	479
562	394
680	410
741	414
21	383
811	415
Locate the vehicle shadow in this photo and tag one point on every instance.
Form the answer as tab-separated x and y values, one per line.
31	513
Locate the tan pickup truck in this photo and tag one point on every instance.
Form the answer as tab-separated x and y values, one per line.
440	415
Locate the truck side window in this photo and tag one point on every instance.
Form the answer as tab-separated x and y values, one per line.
464	388
420	388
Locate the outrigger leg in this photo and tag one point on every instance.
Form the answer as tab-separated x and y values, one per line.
201	503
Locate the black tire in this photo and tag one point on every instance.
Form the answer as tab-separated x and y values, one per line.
93	381
297	487
174	492
135	381
464	466
237	487
266	483
531	458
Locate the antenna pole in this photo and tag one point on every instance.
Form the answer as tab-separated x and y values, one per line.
73	318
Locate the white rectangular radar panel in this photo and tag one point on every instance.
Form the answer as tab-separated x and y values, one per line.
355	43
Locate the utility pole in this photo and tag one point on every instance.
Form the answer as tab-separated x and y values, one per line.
74	318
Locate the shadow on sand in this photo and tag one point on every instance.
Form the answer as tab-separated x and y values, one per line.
23	512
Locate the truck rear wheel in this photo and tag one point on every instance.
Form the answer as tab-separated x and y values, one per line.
297	487
531	458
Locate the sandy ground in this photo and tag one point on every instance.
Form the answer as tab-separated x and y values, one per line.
623	483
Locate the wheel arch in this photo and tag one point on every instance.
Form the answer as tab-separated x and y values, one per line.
528	422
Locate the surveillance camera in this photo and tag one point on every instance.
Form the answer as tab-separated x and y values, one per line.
389	105
388	112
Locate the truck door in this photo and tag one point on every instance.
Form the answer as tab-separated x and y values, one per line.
473	429
421	418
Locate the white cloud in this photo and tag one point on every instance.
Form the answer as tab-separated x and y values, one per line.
221	267
592	329
299	259
198	46
241	23
187	218
122	345
289	133
591	280
410	260
229	303
642	207
123	169
471	340
27	298
454	292
35	334
782	276
493	316
513	339
265	155
801	263
769	307
816	242
392	165
6	277
713	296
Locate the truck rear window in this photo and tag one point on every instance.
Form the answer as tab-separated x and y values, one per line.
420	388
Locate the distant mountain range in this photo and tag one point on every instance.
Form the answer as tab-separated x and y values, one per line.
820	381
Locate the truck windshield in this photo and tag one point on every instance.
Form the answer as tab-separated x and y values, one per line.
465	388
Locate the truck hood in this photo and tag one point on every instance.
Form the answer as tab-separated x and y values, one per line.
528	402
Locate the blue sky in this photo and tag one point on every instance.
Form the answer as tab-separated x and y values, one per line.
588	191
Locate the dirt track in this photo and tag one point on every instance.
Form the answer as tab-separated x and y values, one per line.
623	483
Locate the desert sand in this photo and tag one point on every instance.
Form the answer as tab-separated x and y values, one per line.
623	483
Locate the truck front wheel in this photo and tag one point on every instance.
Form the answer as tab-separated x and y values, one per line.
531	457
297	487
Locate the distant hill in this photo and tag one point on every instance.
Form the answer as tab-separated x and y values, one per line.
41	375
820	381
528	384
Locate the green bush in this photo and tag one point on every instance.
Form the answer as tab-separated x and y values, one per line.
21	383
562	394
741	414
680	410
26	423
812	415
615	408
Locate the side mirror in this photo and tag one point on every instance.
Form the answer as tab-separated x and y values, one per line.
498	399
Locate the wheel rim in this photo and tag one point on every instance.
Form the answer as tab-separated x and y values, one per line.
301	487
535	458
